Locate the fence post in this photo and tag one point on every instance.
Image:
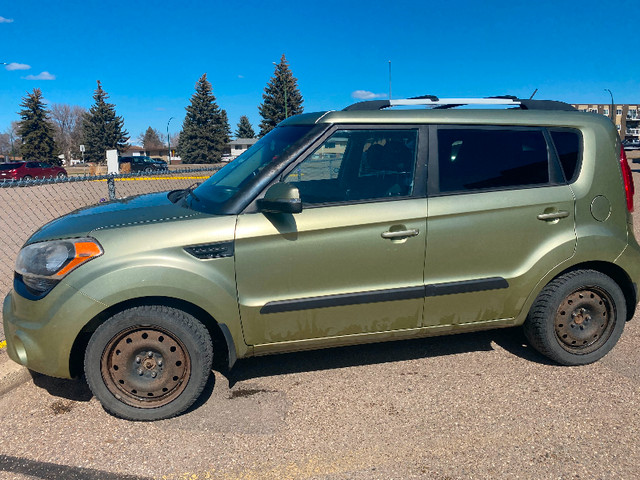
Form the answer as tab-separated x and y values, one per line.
111	185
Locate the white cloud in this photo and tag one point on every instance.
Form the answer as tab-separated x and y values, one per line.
17	66
367	95
6	20
240	76
41	76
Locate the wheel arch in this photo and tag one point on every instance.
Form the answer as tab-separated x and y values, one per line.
224	348
629	289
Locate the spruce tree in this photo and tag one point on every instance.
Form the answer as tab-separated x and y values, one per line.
36	130
205	130
102	129
151	139
244	129
281	98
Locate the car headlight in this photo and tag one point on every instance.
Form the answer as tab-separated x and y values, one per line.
42	265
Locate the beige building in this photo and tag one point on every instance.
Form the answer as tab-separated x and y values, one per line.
626	117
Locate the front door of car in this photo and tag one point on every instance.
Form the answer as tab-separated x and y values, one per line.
500	218
352	261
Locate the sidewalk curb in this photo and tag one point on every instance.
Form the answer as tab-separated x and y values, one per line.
12	375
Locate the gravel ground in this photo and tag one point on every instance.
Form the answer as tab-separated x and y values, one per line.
473	406
468	406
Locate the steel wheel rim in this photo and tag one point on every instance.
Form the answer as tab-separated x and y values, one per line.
145	366
584	320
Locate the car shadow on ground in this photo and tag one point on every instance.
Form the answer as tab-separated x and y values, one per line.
510	339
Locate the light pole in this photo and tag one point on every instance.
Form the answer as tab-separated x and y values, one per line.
612	105
169	142
286	110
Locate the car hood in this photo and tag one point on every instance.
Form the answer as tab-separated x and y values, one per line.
149	208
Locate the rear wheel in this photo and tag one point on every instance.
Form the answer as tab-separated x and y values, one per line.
61	175
577	318
26	178
148	363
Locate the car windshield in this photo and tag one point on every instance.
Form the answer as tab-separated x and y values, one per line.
221	187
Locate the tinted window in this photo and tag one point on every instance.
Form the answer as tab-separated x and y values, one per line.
567	143
9	166
477	158
356	165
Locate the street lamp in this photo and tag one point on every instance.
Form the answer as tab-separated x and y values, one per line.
169	141
612	104
286	111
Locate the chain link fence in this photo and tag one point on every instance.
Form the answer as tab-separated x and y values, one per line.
27	205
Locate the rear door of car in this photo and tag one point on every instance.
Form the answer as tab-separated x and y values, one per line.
501	216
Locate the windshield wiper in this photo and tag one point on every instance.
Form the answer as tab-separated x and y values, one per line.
190	189
184	194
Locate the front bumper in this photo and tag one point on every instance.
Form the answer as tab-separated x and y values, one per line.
40	334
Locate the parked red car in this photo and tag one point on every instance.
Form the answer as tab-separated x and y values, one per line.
29	170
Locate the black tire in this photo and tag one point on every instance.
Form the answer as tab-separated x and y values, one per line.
148	362
577	318
148	170
61	175
27	178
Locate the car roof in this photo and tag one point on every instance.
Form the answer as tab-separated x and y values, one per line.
550	118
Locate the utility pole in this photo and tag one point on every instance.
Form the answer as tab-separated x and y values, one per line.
389	79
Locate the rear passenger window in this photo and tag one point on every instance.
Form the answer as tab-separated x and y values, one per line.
567	143
491	158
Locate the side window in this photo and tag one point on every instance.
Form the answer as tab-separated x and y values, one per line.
567	143
354	165
489	158
32	165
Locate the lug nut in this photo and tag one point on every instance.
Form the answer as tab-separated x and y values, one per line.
138	359
159	363
150	354
140	372
154	374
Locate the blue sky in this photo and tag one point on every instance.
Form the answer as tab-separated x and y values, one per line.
149	54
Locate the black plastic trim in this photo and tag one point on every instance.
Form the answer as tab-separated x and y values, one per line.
387	295
344	299
467	286
211	250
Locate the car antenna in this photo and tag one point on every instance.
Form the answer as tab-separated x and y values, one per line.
534	92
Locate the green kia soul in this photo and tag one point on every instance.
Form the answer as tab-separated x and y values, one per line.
336	228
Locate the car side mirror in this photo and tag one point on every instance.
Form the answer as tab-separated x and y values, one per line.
281	198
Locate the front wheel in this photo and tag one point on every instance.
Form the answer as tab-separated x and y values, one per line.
149	362
577	318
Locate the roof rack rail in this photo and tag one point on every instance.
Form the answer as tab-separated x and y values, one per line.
435	102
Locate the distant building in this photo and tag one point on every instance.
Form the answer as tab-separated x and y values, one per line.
626	117
239	146
233	149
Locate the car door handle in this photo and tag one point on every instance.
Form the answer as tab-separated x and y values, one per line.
553	215
400	233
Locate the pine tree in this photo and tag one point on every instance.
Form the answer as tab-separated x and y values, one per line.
281	98
36	130
244	129
205	131
102	129
151	139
